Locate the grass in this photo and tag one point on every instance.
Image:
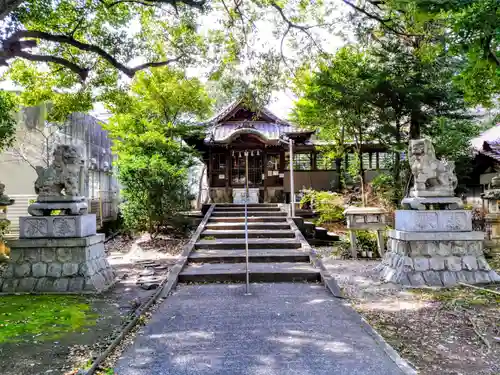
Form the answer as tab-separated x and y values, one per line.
28	318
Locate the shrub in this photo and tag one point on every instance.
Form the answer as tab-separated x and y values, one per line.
330	206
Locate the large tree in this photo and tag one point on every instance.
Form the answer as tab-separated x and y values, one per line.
465	29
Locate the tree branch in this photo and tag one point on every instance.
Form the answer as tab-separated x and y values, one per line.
377	18
12	47
191	3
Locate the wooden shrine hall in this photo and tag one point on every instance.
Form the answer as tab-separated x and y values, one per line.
236	130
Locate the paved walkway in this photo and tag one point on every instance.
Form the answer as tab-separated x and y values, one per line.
285	329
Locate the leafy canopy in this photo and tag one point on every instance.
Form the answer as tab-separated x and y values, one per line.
148	125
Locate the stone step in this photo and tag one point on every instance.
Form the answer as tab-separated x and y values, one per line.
254	256
253	243
248	205
251	225
252	233
259	272
259	213
249	209
251	219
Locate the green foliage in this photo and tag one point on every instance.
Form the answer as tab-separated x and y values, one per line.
8	106
465	31
41	318
366	240
330	206
153	161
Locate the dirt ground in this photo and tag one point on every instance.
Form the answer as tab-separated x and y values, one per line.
130	258
449	331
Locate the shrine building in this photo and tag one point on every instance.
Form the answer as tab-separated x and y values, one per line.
237	129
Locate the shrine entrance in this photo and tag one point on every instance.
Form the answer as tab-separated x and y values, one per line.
255	168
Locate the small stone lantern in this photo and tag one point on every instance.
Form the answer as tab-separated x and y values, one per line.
366	218
5	201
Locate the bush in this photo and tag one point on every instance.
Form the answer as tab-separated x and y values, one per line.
330	206
154	192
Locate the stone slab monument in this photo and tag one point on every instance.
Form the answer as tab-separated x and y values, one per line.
58	251
433	243
492	219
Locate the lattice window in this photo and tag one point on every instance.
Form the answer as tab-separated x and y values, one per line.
301	161
324	163
255	170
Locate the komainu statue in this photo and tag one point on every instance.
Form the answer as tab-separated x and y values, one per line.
61	178
433	177
58	185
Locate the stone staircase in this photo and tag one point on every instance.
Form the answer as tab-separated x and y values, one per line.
275	251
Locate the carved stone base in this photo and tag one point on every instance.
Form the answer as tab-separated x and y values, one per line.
60	226
68	208
57	265
439	259
434	220
426	203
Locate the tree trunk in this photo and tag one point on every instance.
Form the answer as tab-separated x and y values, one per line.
414	126
397	163
361	169
338	169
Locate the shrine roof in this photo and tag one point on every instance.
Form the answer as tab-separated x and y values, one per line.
488	143
236	119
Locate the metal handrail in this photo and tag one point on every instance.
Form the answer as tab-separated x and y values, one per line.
247	196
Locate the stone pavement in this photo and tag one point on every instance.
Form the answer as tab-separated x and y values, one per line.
285	329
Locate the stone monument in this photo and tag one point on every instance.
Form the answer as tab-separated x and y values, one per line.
58	251
492	218
433	243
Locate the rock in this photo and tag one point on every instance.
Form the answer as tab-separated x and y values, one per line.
26	284
69	269
149	286
22	270
448	278
147	273
494	276
469	262
444	248
416	279
421	264
482	277
453	263
432	278
482	264
76	284
436	263
54	270
39	269
48	255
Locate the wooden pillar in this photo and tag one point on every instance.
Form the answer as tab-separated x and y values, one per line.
209	167
264	170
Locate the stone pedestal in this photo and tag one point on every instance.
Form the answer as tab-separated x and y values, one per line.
67	265
59	226
436	259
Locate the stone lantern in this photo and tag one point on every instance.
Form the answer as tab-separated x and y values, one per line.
5	201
